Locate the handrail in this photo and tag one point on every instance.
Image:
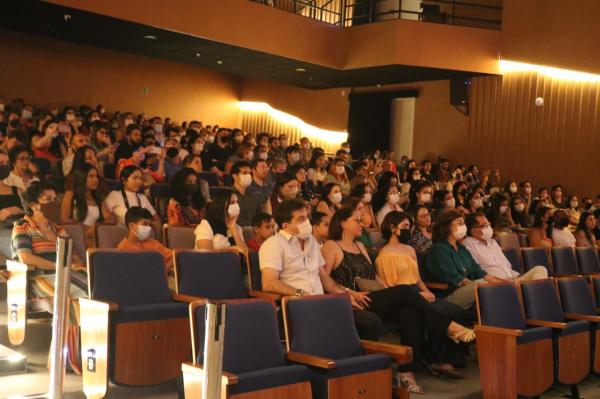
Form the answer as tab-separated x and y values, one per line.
355	12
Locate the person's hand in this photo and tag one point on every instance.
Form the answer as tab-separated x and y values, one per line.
428	295
355	304
4	275
162	155
464	282
361	298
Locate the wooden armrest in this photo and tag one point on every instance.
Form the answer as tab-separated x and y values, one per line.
545	323
264	295
198	369
311	360
111	305
401	354
577	316
186	298
436	286
497	330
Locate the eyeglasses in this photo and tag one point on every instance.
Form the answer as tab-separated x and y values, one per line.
24	159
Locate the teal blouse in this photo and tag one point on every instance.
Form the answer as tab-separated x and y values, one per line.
451	266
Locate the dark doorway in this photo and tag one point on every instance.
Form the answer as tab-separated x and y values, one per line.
369	119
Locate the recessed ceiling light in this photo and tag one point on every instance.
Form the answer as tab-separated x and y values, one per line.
300	69
150	37
198	55
219	62
379	85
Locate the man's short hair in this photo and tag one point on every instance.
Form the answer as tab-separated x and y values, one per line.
235	169
255	162
261	217
471	221
317	217
133	127
283	213
137	213
290	149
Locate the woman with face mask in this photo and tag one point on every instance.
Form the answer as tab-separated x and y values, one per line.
518	213
421	192
511	188
539	234
499	213
474	202
572	209
442	200
397	265
561	235
346	260
186	205
584	235
451	263
392	203
317	172
337	174
331	199
219	229
286	187
365	194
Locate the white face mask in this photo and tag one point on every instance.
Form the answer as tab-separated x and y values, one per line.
233	211
340	170
513	189
487	233
478	203
574	204
158	128
26	114
245	180
347	149
295	157
263	155
210	139
394	198
304	230
426	198
336	198
503	209
127	122
460	232
450	203
528	190
143	232
198	147
367	198
70	117
520	207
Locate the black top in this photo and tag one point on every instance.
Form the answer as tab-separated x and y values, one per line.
8	200
351	267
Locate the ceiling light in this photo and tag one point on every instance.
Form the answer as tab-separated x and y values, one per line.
219	62
150	37
557	73
198	55
379	85
300	69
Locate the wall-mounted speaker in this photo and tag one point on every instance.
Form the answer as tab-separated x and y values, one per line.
459	91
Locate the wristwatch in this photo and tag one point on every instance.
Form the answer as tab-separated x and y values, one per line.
299	292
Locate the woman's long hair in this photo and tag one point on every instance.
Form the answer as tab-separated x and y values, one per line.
79	204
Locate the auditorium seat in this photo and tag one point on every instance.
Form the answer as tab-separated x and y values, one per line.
508	240
179	237
211	178
77	232
513	359
254	362
535	257
514	257
113	185
571	338
588	261
578	304
564	261
320	333
131	329
109	235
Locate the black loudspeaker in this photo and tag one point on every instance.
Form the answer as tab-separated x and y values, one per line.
459	91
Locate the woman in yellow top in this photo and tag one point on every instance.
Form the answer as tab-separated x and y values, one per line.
397	265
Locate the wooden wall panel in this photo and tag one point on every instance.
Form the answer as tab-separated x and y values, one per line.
555	143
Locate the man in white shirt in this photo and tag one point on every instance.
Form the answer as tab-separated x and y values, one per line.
488	254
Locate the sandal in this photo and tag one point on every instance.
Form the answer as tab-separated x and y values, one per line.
410	384
467	335
450	372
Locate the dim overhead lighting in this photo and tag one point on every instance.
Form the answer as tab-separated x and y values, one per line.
557	73
379	85
330	136
300	69
150	37
198	55
219	62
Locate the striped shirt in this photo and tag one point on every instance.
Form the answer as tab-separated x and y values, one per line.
28	236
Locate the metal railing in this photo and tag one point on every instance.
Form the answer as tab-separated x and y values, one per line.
476	13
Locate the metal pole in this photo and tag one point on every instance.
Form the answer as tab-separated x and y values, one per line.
214	338
58	352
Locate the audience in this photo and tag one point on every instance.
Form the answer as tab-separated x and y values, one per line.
331	199
584	235
263	226
186	205
219	229
540	233
561	235
119	201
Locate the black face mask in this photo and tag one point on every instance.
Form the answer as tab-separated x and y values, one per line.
4	171
404	236
550	222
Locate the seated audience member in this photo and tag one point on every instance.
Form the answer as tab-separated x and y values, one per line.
320	226
34	244
459	191
337	174
219	229
260	172
572	210
77	141
544	196
186	205
130	144
357	206
346	260
510	188
392	200
263	225
102	142
557	197
499	213
119	201
139	237
488	254
420	239
451	263
172	163
292	155
83	202
331	199
525	192
361	175
219	152
421	192
584	235
11	207
249	202
396	264
475	201
278	166
23	171
443	200
518	211
540	233
83	155
243	153
305	151
50	142
596	229
195	162
317	171
561	235
305	193
365	194
285	189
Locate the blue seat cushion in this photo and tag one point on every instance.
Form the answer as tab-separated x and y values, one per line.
157	311
534	334
269	378
574	327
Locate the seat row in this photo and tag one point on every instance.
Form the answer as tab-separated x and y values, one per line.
536	333
558	261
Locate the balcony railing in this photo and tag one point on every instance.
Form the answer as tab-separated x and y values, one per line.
477	13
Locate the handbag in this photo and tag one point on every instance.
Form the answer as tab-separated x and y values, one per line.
367	284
